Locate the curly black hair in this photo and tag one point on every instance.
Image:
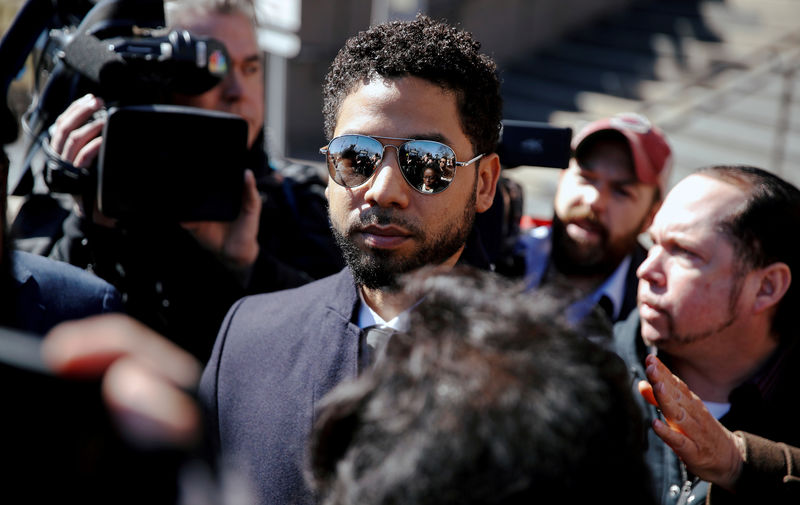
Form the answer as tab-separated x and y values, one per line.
428	49
488	399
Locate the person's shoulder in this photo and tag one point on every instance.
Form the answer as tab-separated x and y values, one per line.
337	290
535	238
49	292
320	288
534	246
274	324
47	271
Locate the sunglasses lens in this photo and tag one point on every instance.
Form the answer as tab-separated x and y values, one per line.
352	159
428	166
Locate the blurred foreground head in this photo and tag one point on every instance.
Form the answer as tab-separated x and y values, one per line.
488	400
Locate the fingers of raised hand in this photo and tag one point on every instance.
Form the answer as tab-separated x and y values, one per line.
75	116
646	390
150	410
251	200
676	439
79	139
671	392
241	242
90	346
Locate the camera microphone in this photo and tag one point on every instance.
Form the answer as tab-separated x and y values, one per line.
178	62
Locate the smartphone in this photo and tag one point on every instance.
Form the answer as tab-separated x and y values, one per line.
170	162
534	144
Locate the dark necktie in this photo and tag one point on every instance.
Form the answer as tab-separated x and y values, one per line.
373	343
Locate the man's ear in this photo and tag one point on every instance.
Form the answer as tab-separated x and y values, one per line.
488	175
774	282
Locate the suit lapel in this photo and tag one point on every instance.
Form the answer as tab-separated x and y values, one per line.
337	339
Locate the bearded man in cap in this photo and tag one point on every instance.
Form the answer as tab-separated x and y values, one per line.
605	198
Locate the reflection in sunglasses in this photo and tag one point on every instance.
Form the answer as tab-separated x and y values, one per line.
427	166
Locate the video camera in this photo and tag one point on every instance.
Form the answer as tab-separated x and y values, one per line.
157	160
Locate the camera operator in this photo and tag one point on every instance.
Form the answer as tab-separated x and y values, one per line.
181	279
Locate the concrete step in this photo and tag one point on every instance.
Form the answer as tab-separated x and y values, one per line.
585	75
693	151
709	72
559	96
739	135
746	104
523	94
528	109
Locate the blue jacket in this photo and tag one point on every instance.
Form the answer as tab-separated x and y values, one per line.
48	292
276	356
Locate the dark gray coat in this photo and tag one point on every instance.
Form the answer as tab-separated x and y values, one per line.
276	356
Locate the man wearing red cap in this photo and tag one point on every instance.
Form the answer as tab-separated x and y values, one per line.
604	200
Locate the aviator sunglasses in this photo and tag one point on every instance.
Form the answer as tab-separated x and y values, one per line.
427	166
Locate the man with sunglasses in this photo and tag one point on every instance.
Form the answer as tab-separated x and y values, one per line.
605	198
396	95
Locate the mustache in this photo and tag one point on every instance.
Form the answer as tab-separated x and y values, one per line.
648	300
590	217
384	217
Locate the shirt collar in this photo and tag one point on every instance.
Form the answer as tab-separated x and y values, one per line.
537	245
368	317
614	287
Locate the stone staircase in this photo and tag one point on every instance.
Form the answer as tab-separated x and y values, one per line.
719	76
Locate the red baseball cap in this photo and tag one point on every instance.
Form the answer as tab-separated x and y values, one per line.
652	155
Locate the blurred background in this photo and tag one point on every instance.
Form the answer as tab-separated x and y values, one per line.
719	76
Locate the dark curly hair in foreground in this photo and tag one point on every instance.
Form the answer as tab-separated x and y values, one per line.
430	50
488	400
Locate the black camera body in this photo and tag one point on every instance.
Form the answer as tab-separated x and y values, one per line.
171	162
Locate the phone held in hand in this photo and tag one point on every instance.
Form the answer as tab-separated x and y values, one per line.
535	144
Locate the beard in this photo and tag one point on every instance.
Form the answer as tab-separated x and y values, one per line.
573	258
381	269
731	316
690	338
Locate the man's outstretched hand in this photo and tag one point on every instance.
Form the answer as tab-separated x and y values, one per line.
708	449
